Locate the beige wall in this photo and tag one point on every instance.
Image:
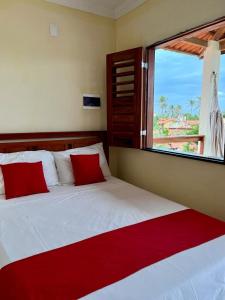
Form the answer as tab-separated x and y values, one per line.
42	79
196	184
159	19
199	185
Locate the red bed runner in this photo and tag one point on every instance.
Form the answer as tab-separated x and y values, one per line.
74	271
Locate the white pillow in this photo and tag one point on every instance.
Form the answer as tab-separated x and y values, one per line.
46	157
64	166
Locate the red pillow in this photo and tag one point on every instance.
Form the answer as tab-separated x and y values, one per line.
23	179
86	169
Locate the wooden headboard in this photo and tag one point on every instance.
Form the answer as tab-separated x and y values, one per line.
52	141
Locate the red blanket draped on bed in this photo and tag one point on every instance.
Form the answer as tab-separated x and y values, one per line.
73	271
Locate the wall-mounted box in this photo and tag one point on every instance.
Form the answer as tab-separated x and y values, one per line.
54	30
91	101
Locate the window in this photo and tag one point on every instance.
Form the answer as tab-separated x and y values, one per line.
186	85
175	103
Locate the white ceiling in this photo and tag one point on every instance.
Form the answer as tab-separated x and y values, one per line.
108	8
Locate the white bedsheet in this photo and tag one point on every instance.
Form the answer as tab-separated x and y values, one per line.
38	223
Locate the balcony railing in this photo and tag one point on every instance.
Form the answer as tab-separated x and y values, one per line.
182	139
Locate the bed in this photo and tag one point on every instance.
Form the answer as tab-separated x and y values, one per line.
36	224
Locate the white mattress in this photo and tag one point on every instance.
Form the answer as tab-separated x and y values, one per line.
38	223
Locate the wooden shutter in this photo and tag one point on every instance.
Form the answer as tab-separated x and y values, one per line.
125	98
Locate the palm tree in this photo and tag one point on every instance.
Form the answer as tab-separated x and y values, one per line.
172	110
198	104
192	104
163	104
177	110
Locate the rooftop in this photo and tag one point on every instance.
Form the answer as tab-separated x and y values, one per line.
196	43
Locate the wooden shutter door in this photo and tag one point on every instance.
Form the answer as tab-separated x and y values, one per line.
125	95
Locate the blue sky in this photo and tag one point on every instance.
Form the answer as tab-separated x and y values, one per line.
179	78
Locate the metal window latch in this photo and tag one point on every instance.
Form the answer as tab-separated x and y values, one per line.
144	65
143	132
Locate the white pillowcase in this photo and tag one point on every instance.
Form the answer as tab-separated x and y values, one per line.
46	157
64	166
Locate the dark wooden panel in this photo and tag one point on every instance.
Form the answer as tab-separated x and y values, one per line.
117	127
125	97
123	109
51	141
127	82
124	92
125	140
50	135
124	74
124	64
122	118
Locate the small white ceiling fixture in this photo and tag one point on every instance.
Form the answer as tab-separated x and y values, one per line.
108	8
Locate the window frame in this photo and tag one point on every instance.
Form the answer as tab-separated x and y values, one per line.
150	55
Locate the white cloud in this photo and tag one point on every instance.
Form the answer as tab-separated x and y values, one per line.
221	94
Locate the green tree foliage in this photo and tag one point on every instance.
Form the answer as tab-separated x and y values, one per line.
178	114
193	131
191	104
178	110
187	148
165	132
194	105
188	116
163	105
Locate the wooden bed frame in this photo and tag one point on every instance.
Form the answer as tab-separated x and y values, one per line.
52	141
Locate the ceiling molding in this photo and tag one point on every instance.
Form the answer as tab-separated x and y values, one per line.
86	5
127	6
108	8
